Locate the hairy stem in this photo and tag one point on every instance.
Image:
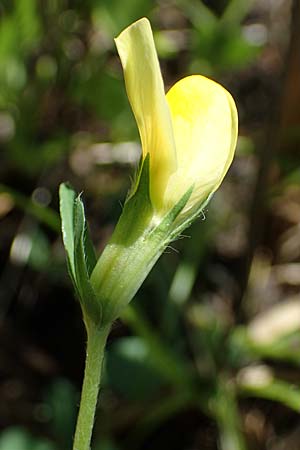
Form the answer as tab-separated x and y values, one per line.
96	340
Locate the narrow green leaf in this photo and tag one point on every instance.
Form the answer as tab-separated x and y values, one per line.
89	248
66	204
84	262
81	256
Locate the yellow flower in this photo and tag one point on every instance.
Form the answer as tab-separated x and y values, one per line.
190	133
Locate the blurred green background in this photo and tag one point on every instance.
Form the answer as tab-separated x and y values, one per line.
208	355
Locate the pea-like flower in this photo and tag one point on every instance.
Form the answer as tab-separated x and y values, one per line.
188	140
189	134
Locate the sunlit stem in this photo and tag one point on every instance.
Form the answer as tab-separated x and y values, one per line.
96	340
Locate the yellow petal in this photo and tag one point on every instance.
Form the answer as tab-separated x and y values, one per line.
204	119
146	94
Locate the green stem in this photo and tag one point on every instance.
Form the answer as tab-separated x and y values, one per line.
96	340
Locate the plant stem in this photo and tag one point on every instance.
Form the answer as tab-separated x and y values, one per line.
96	340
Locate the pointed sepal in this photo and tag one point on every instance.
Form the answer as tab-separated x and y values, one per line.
81	258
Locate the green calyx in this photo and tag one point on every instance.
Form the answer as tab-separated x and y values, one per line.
106	286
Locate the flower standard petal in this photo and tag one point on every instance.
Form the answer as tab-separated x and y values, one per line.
145	90
204	119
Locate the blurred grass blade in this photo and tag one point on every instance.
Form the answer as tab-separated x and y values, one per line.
258	381
236	11
168	363
18	438
43	214
185	276
225	410
131	371
157	414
